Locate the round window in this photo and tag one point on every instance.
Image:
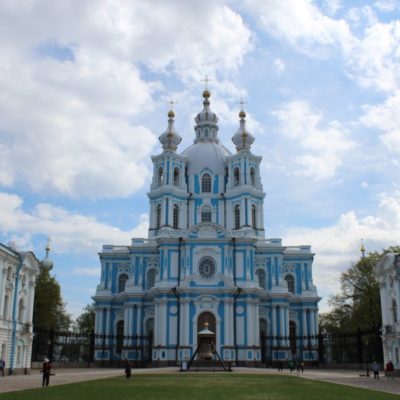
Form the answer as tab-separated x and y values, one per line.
207	267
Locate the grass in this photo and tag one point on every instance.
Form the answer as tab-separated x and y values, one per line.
200	386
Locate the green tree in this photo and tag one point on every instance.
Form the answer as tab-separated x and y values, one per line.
85	322
49	309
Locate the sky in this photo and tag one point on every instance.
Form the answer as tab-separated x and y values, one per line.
84	92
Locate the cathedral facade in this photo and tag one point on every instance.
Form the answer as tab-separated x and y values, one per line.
206	259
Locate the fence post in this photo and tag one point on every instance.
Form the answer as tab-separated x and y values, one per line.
91	347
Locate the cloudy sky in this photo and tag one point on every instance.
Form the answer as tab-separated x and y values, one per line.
84	90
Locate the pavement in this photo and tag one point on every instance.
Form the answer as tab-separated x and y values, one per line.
64	376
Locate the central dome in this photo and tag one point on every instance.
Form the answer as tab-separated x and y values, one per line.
209	155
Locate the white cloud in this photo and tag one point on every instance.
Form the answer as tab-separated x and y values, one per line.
301	23
338	246
70	232
279	65
386	5
324	146
385	117
71	83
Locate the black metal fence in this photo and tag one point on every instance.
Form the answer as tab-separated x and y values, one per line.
324	349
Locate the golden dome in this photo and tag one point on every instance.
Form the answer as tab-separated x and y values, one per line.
242	114
206	94
171	114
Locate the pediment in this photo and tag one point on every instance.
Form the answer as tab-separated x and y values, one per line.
207	231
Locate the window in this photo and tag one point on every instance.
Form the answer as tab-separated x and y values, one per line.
253	176
176	176
158	223
206	214
290	283
236	177
254	216
9	273
21	309
6	305
237	217
394	310
176	217
261	279
151	278
120	336
122	282
160	176
206	183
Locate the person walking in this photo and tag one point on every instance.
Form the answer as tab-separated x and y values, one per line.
375	368
2	367
389	370
128	369
280	366
46	371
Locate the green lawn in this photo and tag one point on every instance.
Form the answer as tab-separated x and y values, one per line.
204	386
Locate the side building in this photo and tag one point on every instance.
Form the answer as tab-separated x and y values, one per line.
388	274
17	292
206	259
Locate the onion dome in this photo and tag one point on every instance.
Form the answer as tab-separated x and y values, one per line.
46	263
242	138
170	138
206	122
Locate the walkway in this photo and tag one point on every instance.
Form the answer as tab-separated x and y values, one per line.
63	376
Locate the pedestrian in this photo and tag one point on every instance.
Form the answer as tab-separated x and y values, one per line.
2	367
128	369
389	370
375	368
302	366
46	371
290	365
280	366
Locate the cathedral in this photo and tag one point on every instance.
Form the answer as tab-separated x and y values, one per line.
206	261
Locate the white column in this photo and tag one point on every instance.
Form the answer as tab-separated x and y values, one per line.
249	323
242	212
139	320
164	322
312	326
305	342
256	324
157	323
274	327
282	323
287	326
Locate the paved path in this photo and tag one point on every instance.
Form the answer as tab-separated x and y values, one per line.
63	376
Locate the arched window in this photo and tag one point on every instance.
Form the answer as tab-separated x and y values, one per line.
394	310
206	183
120	336
176	176
290	283
158	222
254	216
122	282
21	309
6	306
236	177
237	217
261	279
253	176
151	278
292	337
175	218
206	214
160	176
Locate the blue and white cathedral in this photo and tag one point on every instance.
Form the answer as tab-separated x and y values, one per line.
206	259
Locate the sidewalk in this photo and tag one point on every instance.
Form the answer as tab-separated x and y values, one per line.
63	376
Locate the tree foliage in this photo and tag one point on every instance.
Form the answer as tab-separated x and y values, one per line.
85	322
357	306
49	309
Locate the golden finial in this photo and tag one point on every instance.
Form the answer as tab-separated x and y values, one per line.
242	113
362	248
206	92
48	248
206	325
171	113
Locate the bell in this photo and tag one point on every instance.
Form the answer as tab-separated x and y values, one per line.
206	352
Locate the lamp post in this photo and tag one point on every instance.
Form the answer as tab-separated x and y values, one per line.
366	357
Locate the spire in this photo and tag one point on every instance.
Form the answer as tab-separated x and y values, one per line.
362	249
46	263
242	138
170	138
206	122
